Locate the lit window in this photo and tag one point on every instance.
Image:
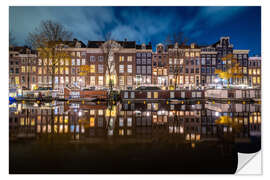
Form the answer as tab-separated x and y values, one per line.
121	80
67	62
23	69
92	69
92	80
129	121
155	95
149	95
39	70
129	80
121	58
129	59
56	70
92	121
34	69
78	62
121	68
66	70
61	62
83	61
73	62
258	80
61	70
100	80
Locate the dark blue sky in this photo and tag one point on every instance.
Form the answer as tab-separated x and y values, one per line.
203	25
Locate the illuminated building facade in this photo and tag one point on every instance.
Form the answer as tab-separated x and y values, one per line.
172	66
22	68
254	71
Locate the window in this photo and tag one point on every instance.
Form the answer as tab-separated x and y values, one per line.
170	61
203	61
67	62
155	95
83	61
92	58
92	80
34	69
186	79
138	61
66	70
100	58
129	80
73	62
121	68
171	94
78	62
121	58
56	70
165	72
258	71
258	80
129	59
92	69
23	69
121	80
129	68
73	70
149	95
213	61
100	80
40	62
39	70
138	69
143	61
61	62
17	80
149	70
61	70
56	80
62	80
143	69
100	68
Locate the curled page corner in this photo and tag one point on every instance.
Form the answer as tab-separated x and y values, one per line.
249	164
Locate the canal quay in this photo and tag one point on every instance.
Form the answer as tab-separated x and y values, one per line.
141	131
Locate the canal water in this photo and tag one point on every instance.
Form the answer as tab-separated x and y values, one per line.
187	137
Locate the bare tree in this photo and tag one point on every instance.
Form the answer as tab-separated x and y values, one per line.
176	38
48	39
109	48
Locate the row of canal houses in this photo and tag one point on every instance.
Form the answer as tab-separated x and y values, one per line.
172	66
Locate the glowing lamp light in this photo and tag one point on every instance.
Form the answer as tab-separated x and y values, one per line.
80	113
217	114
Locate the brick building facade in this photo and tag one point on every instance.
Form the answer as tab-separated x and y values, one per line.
171	66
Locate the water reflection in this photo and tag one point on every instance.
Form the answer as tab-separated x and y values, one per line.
199	134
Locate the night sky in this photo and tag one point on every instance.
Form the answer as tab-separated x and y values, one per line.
202	25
